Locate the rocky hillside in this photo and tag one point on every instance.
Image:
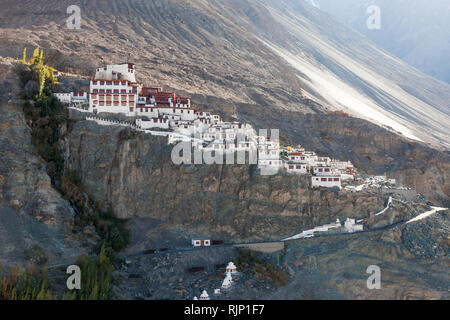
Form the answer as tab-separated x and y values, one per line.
413	260
35	221
284	54
415	31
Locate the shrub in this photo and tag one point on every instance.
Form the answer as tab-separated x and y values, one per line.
22	284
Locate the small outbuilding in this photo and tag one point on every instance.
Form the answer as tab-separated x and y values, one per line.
201	243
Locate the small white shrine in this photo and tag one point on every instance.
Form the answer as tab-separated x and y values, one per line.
204	295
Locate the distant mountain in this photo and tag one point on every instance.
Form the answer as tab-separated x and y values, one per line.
284	54
416	31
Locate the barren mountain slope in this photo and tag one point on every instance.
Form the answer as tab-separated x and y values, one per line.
285	54
416	31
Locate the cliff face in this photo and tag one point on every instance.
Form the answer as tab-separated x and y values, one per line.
135	176
35	221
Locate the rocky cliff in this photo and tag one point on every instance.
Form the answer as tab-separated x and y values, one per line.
35	221
134	175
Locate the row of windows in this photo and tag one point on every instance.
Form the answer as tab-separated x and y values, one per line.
109	83
113	91
109	97
182	111
328	179
115	100
144	110
110	104
160	120
296	167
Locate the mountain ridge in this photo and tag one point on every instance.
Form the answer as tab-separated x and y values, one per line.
214	48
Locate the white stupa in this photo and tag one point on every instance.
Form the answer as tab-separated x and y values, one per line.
204	295
195	298
217	292
226	284
231	268
228	275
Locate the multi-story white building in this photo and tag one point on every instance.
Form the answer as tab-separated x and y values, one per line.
328	181
114	90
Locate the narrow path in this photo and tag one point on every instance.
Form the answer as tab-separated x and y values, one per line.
277	244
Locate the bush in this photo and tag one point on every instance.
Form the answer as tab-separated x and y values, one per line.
249	260
22	284
96	278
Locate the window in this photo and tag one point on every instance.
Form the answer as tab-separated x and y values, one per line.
327	169
336	179
108	83
291	167
330	179
324	179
